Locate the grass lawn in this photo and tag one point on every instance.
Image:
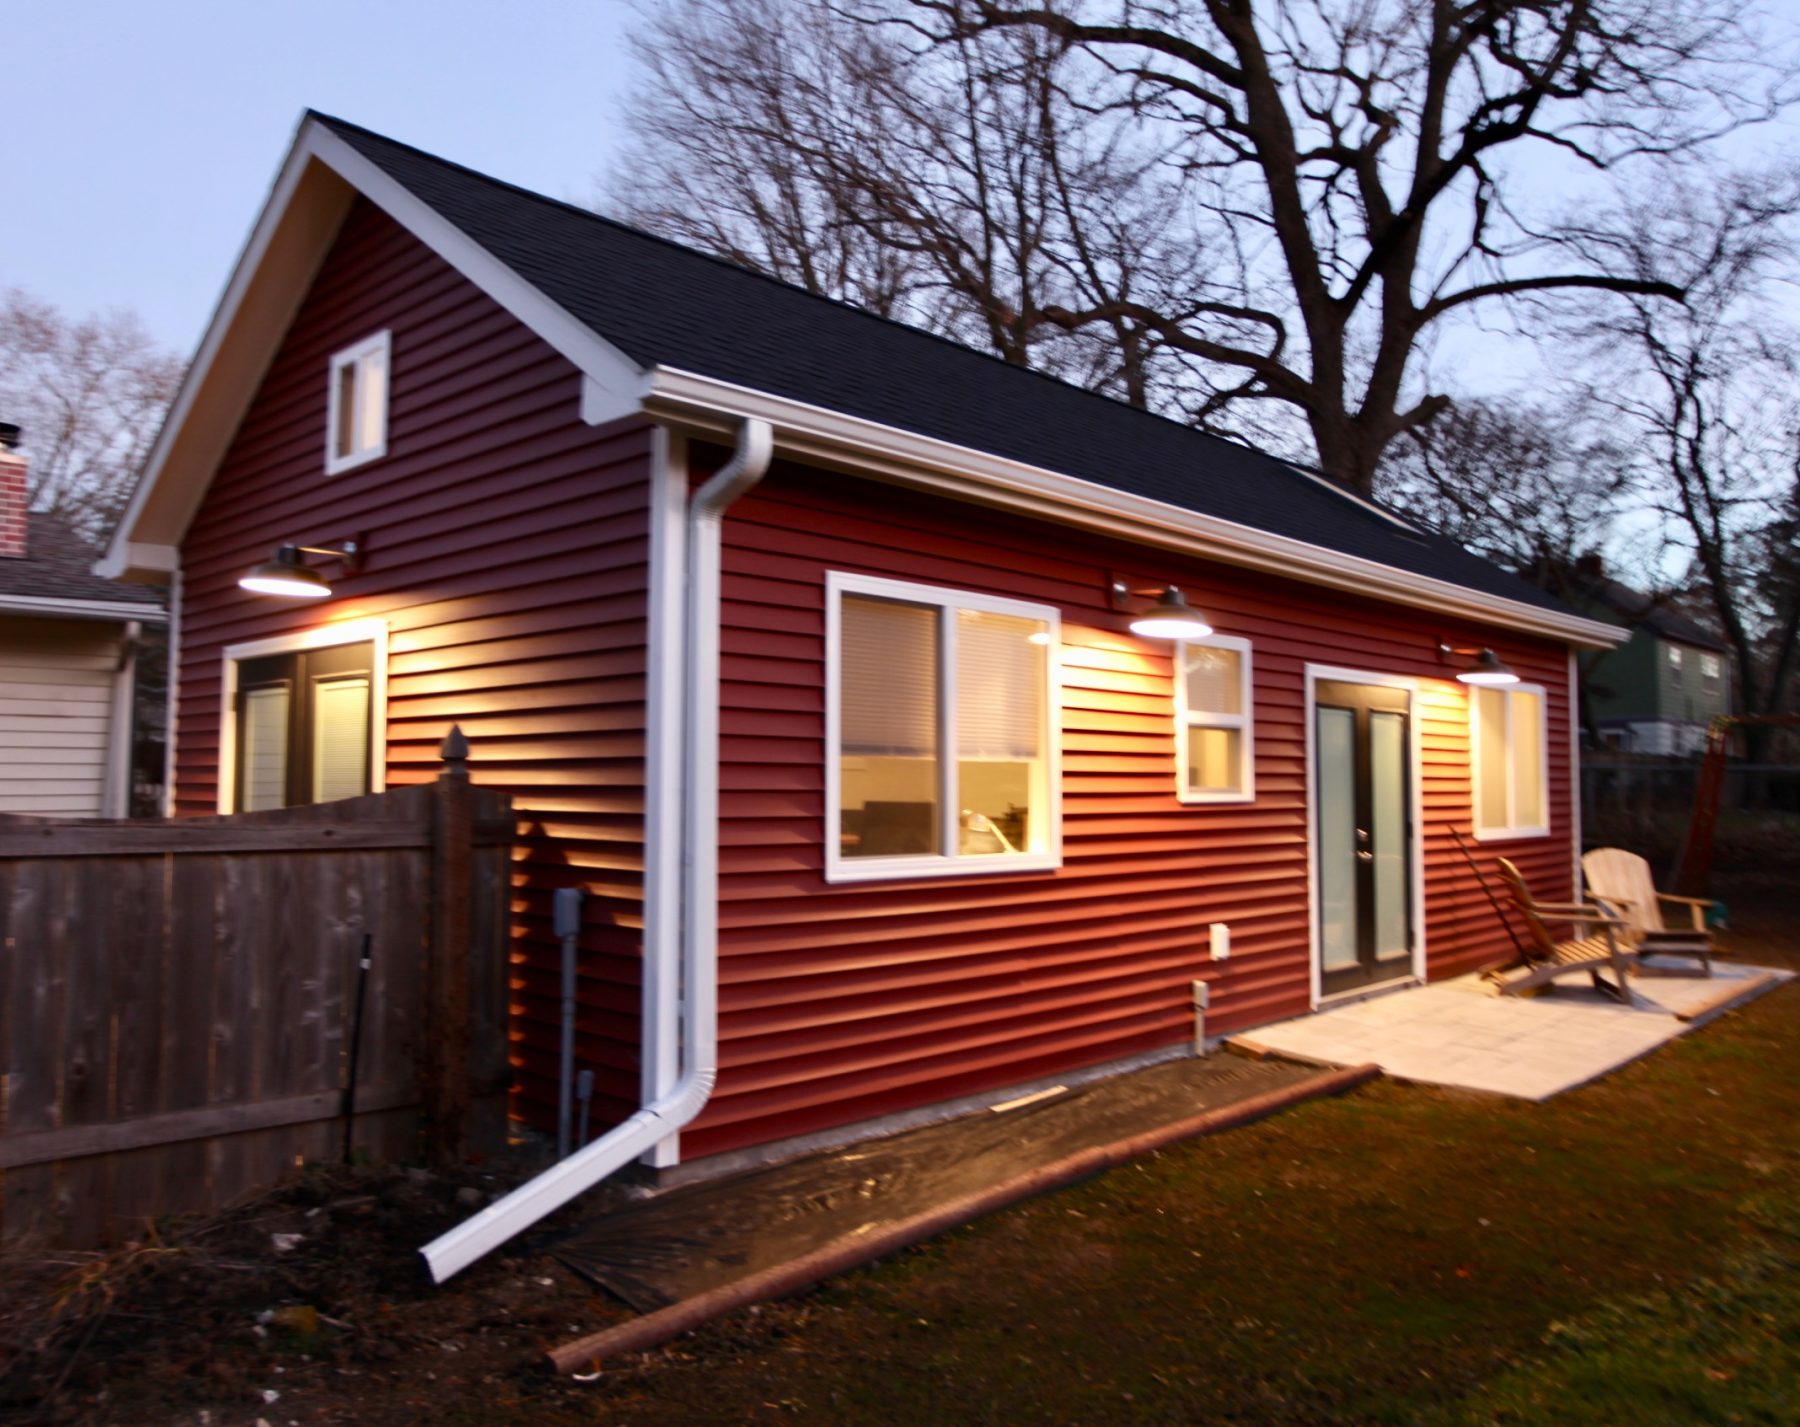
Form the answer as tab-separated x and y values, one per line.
1625	1253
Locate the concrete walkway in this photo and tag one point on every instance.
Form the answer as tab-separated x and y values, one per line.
1460	1033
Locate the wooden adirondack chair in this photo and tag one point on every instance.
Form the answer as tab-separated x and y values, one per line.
1596	946
1620	881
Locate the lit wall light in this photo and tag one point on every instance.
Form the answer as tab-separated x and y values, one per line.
1171	617
1487	668
290	577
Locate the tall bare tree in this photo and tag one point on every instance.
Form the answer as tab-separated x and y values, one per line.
1370	164
1710	390
1271	205
1533	487
90	394
960	187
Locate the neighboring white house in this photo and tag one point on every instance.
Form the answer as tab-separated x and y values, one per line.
68	653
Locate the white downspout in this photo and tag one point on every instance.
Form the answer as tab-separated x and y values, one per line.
451	1252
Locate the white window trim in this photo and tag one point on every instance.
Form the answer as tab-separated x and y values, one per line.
363	631
1244	723
382	342
839	868
1511	831
1314	675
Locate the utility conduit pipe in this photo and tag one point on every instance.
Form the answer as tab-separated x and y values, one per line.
451	1252
854	1250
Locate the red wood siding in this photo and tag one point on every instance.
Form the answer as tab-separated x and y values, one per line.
507	550
842	1002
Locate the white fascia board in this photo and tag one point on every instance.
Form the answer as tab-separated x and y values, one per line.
601	364
298	221
51	608
905	457
305	208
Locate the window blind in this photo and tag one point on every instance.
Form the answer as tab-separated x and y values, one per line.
340	738
888	689
265	748
999	686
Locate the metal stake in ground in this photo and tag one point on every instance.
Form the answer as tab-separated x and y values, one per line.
356	1023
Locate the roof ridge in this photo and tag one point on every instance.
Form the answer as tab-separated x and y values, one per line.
838	303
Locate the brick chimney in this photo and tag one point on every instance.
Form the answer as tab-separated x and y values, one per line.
13	500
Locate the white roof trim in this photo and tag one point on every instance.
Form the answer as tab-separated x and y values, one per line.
924	462
312	192
54	608
298	223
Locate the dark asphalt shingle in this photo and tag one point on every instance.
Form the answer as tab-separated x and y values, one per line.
59	564
663	304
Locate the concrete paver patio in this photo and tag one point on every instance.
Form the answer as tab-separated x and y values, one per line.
1460	1033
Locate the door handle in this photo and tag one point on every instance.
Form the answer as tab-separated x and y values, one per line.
1365	857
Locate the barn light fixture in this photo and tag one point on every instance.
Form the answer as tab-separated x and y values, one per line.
1487	668
1171	617
291	577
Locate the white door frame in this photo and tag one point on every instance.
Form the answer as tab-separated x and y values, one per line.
1329	673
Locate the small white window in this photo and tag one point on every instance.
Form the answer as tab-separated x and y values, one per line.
1674	666
1214	721
1510	752
1710	668
941	725
356	423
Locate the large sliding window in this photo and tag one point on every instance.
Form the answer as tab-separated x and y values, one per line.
940	724
1510	751
303	719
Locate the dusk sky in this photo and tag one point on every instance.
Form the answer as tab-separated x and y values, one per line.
140	140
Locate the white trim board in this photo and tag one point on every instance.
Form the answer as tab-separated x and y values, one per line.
324	636
812	432
306	206
50	607
1314	674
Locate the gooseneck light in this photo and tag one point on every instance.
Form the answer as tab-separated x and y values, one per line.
1486	670
290	577
1171	617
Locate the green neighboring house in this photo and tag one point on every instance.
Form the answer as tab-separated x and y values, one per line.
1657	692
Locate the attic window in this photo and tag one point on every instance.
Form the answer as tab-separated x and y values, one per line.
356	423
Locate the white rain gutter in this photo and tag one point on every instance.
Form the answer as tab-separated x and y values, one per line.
454	1251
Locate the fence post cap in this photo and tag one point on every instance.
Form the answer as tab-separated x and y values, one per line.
454	750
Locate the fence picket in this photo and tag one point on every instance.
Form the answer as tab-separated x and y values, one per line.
174	997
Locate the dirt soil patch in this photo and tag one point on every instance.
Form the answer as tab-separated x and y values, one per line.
1375	1259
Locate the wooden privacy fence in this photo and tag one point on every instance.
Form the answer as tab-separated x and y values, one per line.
177	998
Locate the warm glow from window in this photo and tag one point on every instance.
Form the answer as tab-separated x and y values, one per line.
941	730
1213	720
1511	764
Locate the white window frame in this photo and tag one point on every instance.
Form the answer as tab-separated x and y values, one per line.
946	862
373	632
353	357
1675	665
1511	830
1244	723
1712	669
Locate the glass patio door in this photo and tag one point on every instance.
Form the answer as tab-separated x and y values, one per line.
1362	836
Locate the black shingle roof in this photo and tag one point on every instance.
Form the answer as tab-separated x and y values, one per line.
59	564
663	304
